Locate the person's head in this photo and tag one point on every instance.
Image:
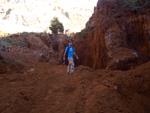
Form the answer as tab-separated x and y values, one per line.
149	37
70	43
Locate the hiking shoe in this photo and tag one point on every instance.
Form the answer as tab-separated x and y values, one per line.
68	73
72	73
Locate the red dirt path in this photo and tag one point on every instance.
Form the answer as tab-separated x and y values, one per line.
49	90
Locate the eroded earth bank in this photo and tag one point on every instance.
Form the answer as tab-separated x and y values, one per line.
112	73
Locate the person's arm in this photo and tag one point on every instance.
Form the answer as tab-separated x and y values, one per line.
64	55
75	55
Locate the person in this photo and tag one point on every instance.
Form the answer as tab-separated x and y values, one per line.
71	52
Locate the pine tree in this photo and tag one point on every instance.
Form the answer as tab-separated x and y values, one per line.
56	26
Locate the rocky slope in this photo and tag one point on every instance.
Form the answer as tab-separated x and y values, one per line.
35	16
35	46
116	36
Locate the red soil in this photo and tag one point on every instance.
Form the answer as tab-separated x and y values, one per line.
47	89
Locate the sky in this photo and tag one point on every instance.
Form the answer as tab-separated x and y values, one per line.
77	3
67	3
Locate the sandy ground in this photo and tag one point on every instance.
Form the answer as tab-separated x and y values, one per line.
39	87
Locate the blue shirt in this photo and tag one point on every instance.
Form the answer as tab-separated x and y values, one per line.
70	51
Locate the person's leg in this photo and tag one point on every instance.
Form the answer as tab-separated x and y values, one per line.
68	69
72	66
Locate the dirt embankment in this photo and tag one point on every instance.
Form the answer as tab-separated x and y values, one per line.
32	80
45	88
35	46
116	36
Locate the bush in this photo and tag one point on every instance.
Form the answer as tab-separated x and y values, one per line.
135	9
136	5
18	43
5	42
9	59
24	34
82	33
130	3
147	3
9	42
56	26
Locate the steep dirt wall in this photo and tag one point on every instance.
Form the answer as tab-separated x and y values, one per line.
119	38
91	50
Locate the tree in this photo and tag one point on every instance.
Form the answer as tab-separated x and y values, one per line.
56	26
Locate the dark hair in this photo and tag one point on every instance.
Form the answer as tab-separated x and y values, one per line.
70	41
149	37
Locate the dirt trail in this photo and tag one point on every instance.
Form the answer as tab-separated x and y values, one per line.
45	88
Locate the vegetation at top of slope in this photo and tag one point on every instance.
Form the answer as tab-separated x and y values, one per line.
6	42
56	26
82	33
137	6
9	59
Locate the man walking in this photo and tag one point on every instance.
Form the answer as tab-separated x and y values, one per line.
71	51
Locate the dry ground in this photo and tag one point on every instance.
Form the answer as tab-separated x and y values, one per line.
40	87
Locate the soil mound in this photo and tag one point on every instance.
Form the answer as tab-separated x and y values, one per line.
42	87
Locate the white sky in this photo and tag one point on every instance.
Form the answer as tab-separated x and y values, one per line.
77	3
67	3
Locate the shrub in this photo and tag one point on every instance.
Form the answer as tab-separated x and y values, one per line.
9	59
5	42
135	4
24	34
147	3
135	9
130	3
82	33
18	43
9	42
56	26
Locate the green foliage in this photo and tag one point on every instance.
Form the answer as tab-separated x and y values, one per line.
24	34
18	43
130	3
135	9
82	33
5	42
56	26
8	58
147	3
136	5
9	42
